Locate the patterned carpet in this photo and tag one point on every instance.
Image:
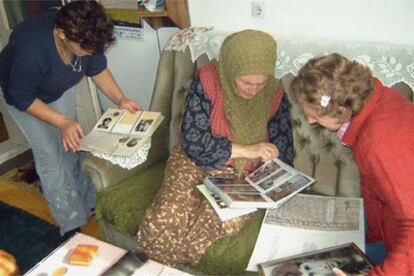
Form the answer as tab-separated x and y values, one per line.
27	229
26	237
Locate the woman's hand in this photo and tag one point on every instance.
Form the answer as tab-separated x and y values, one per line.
72	133
264	151
129	104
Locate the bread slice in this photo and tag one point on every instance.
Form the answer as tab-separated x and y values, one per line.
83	254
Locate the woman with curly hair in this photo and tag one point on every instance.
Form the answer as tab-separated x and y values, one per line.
46	56
376	123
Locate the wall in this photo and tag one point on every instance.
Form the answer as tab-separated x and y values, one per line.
345	20
134	64
16	144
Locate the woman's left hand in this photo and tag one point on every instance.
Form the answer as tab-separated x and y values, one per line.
129	104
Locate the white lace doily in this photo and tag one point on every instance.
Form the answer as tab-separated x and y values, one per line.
183	38
390	63
127	162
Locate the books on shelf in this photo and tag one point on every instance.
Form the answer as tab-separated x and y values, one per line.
308	223
347	257
269	186
121	133
224	212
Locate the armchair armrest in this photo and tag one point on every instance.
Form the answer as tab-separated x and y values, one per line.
105	174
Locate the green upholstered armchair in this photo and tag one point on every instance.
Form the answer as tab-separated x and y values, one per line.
123	196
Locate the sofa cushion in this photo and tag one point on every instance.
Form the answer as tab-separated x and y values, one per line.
231	255
124	205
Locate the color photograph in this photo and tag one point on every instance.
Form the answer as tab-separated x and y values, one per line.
348	257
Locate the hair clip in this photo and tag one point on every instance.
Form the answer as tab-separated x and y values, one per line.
325	99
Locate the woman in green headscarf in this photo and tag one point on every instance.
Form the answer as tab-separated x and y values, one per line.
235	117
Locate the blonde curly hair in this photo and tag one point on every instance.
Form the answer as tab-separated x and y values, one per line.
347	83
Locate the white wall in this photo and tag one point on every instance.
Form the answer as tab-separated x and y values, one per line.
134	64
388	21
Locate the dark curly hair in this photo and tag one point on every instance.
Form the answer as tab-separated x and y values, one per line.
348	83
86	23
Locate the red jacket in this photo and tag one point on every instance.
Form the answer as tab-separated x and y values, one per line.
382	139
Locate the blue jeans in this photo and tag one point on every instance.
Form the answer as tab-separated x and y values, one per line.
69	193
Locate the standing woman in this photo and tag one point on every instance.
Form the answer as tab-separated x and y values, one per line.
376	122
46	56
236	116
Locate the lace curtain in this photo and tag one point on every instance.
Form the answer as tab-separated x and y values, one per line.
390	63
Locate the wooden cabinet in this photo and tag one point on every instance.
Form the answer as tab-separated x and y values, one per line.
175	15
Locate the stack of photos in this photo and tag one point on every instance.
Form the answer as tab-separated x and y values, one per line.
347	257
271	185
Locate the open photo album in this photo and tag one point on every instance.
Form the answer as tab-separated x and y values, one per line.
221	209
269	186
121	133
347	257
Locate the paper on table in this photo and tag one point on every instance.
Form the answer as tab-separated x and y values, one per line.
307	223
154	268
106	256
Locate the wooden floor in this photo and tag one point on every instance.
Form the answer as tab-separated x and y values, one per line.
19	161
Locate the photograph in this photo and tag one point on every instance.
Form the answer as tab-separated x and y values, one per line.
223	180
246	197
290	186
132	142
116	114
264	171
123	140
238	188
105	123
347	257
274	180
217	199
143	125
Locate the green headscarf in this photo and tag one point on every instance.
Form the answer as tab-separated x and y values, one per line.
247	52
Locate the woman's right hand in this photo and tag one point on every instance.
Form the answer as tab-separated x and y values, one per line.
264	151
72	133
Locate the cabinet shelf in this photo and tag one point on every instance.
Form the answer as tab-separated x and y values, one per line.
175	15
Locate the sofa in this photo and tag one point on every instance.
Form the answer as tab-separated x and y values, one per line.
124	195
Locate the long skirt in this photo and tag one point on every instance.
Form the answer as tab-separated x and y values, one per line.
180	224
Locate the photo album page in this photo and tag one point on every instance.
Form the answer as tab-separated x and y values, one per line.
271	185
119	132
